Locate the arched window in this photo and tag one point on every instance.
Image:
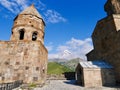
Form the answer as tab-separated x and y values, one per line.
21	32
34	36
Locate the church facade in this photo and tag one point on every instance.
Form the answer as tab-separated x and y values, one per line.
106	38
25	57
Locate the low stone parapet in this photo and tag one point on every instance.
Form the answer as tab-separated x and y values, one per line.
10	85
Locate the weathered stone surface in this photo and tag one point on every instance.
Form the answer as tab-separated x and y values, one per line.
112	7
106	41
95	74
24	57
29	23
31	11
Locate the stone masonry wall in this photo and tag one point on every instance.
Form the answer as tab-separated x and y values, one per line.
23	60
112	7
97	77
108	77
30	24
92	77
106	41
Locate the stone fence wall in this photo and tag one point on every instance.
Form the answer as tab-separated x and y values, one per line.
11	85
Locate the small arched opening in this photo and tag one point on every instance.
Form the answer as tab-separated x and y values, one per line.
12	32
21	32
34	36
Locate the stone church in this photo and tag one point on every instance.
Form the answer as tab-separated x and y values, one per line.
106	38
103	65
25	57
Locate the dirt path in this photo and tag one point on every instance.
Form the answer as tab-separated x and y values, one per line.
68	85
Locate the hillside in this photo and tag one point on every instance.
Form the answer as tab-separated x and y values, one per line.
71	64
56	68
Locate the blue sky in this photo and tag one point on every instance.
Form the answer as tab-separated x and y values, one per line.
69	23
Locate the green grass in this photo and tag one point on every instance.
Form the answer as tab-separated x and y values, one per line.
32	85
56	68
72	64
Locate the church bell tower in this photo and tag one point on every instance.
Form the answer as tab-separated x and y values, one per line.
28	26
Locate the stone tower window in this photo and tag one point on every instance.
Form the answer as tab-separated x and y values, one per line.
17	63
3	78
43	70
26	68
21	32
34	36
43	36
37	68
6	63
35	78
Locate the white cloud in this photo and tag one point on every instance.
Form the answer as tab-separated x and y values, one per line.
49	48
73	48
52	56
62	48
9	5
39	4
53	17
15	6
22	3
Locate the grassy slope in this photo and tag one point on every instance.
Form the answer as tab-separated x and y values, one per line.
56	68
72	63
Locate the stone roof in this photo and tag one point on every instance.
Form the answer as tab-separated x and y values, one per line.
95	64
31	10
112	7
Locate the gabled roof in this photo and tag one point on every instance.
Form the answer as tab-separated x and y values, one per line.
95	64
31	10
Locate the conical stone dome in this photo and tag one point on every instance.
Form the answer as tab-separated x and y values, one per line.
31	10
